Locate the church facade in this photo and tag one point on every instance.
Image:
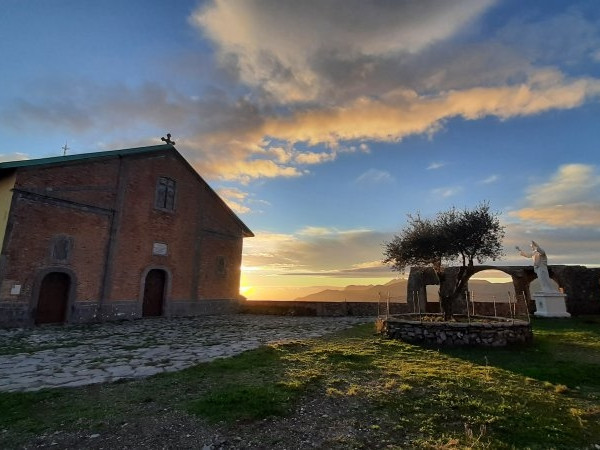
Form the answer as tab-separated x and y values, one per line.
114	235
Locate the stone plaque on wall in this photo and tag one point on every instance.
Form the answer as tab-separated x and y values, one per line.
159	249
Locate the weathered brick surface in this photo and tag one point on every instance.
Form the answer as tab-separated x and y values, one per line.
107	208
214	284
198	222
92	183
28	251
141	225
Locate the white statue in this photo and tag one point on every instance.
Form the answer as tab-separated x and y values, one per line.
540	266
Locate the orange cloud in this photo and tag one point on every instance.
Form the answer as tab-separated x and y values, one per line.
570	198
314	250
314	157
244	151
235	199
572	183
577	215
244	170
398	116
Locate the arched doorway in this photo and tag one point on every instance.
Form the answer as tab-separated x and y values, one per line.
53	298
154	293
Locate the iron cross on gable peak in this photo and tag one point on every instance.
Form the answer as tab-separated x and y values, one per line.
168	139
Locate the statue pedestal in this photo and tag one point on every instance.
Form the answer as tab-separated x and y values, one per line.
550	304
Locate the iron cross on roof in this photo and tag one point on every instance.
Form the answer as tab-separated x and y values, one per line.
168	139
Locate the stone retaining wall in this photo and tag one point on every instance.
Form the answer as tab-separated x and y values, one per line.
452	334
301	308
335	309
500	309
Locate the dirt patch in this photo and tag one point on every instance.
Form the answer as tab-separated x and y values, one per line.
317	422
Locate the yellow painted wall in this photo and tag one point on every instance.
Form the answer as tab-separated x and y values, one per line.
6	185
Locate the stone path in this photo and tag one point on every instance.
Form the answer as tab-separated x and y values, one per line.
57	356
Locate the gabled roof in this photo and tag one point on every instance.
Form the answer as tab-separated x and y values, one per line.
83	157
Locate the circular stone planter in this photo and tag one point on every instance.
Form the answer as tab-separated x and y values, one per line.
481	331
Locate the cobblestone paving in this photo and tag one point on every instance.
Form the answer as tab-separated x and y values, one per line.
57	356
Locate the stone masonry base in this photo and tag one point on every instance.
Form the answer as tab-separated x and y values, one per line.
21	315
452	334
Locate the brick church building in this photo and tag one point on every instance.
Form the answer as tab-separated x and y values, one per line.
114	235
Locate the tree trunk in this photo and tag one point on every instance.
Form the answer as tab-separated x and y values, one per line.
445	295
446	304
453	282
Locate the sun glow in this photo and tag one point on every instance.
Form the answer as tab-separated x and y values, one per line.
245	290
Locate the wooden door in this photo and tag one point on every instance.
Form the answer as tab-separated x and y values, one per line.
53	299
154	292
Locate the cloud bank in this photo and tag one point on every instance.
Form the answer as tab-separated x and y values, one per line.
292	50
570	198
317	251
316	79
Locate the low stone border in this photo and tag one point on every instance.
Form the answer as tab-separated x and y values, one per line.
496	333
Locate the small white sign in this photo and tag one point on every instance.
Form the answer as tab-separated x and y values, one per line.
15	289
159	249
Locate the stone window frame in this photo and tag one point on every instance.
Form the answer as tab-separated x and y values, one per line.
165	194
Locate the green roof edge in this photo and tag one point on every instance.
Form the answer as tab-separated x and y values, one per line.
82	156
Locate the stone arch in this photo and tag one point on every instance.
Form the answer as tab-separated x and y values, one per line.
168	280
70	294
420	277
481	292
416	289
580	284
521	277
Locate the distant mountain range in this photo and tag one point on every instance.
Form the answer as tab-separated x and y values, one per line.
396	290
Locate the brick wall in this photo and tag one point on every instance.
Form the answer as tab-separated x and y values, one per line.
29	249
215	283
141	225
196	233
92	183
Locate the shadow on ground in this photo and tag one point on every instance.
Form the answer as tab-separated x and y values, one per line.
564	351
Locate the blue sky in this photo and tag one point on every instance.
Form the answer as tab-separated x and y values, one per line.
323	123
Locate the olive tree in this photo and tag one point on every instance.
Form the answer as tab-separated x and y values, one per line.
454	235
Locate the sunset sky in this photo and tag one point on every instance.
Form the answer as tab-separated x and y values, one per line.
324	122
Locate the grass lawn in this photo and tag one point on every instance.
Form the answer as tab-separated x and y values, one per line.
546	395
